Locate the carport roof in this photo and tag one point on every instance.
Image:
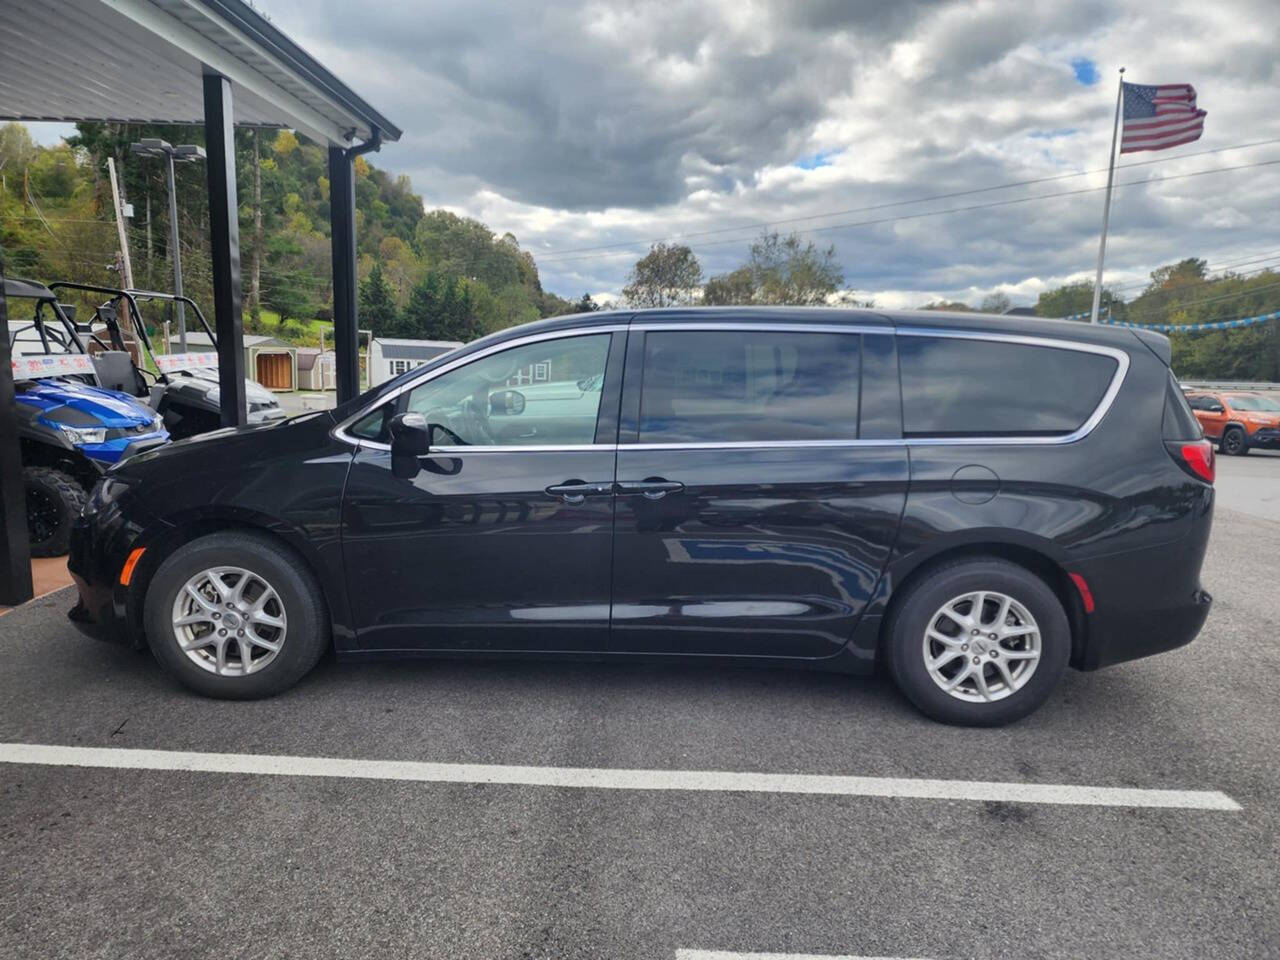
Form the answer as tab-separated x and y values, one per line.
142	61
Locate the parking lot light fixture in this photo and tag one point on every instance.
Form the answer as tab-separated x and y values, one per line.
184	153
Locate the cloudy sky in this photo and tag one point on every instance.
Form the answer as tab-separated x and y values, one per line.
589	129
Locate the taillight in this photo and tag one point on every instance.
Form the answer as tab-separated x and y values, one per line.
1195	457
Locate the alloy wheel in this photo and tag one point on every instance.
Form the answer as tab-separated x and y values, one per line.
229	621
981	646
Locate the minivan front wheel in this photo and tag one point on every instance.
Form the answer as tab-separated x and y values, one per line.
978	642
235	615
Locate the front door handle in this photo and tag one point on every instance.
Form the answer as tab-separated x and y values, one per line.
576	491
653	488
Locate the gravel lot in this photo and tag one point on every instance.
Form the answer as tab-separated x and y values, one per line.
154	863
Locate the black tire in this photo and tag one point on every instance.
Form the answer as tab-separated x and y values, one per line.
904	647
1234	442
307	632
54	500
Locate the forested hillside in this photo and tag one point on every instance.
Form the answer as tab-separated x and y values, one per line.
433	275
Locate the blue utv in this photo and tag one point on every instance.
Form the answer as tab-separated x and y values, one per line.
71	429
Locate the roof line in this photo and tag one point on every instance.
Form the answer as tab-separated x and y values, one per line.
262	31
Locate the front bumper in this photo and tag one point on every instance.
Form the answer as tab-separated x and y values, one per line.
1266	438
100	543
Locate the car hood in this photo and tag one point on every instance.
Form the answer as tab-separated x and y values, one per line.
92	406
205	380
236	447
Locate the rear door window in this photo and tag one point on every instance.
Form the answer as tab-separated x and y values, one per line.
961	387
701	386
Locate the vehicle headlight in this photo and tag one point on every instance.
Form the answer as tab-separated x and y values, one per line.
82	435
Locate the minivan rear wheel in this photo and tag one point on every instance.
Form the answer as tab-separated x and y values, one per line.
978	642
236	615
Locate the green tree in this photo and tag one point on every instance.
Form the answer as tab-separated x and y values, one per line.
1076	300
781	270
668	275
951	306
736	287
377	307
996	302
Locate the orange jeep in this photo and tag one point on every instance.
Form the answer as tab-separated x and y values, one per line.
1238	420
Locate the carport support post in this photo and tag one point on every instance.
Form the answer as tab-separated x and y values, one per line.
15	554
224	241
342	217
342	214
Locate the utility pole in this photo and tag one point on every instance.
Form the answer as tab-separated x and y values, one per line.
120	231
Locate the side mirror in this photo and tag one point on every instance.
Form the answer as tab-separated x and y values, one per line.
410	435
1215	408
506	403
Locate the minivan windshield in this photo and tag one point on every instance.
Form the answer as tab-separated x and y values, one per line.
1252	403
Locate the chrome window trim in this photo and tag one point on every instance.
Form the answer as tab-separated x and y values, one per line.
1082	431
1100	411
340	431
666	327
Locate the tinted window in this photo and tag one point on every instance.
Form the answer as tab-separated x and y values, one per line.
544	393
748	386
1179	422
956	387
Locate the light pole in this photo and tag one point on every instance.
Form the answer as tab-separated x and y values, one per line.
186	153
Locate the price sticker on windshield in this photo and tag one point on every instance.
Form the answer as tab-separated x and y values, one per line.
58	365
173	362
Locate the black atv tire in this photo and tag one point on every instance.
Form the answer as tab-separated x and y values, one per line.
54	500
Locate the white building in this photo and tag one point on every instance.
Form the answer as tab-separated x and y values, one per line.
391	356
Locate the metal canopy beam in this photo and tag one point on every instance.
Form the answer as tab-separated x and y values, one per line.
224	244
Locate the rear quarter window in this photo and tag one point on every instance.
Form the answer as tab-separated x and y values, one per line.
962	387
1179	422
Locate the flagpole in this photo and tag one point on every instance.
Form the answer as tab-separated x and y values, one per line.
1106	206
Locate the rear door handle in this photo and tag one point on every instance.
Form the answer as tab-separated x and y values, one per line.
577	491
652	489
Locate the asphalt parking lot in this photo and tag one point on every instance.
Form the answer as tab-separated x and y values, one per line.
147	862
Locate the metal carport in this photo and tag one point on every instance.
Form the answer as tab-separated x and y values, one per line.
182	61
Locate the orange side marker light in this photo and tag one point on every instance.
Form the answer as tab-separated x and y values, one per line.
126	572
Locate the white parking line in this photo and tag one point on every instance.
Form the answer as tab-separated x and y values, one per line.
603	778
730	955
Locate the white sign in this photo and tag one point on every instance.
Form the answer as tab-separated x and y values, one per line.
173	362
32	367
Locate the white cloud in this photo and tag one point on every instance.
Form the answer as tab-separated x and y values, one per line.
581	124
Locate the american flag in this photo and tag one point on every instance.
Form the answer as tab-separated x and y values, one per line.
1159	117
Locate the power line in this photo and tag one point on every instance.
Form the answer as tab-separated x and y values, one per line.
966	209
553	254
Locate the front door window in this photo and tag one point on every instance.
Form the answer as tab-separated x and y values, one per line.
545	393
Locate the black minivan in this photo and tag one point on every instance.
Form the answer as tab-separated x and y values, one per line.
974	502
